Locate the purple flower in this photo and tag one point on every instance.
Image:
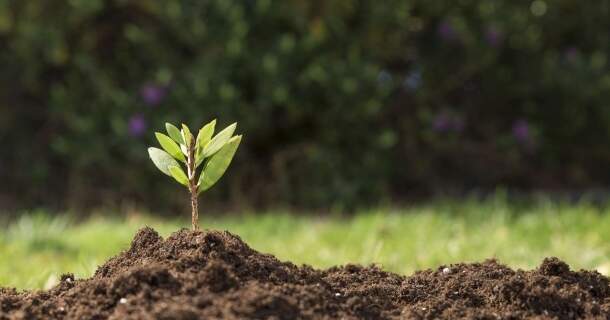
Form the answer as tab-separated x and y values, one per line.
412	80
446	31
493	37
384	77
441	123
444	122
136	125
153	94
521	131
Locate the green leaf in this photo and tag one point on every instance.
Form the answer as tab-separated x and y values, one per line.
218	164
170	146
184	150
219	141
187	135
203	137
162	160
179	175
174	133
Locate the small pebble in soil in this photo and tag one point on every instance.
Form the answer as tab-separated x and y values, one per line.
446	270
337	294
123	300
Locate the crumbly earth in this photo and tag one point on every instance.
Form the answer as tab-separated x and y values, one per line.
215	275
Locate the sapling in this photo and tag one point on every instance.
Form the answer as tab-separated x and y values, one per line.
213	154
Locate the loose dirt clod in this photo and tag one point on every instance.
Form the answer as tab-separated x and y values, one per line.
215	275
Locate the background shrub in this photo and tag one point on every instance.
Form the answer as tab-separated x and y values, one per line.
343	102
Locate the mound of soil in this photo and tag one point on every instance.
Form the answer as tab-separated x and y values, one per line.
215	275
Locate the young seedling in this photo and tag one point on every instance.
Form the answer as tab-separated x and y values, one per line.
214	154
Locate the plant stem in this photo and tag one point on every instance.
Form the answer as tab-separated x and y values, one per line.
190	164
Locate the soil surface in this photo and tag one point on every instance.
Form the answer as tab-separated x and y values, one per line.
215	275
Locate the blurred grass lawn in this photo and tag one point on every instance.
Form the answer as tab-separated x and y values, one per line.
37	248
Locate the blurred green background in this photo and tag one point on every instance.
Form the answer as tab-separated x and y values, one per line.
343	103
360	120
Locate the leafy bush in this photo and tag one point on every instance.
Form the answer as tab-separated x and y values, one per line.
344	102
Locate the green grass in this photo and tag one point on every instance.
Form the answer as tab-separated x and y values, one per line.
36	248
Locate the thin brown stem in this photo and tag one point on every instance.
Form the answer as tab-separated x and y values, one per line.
190	164
194	211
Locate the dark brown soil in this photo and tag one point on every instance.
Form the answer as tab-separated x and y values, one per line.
214	275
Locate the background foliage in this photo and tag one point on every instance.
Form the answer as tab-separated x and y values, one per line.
341	102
